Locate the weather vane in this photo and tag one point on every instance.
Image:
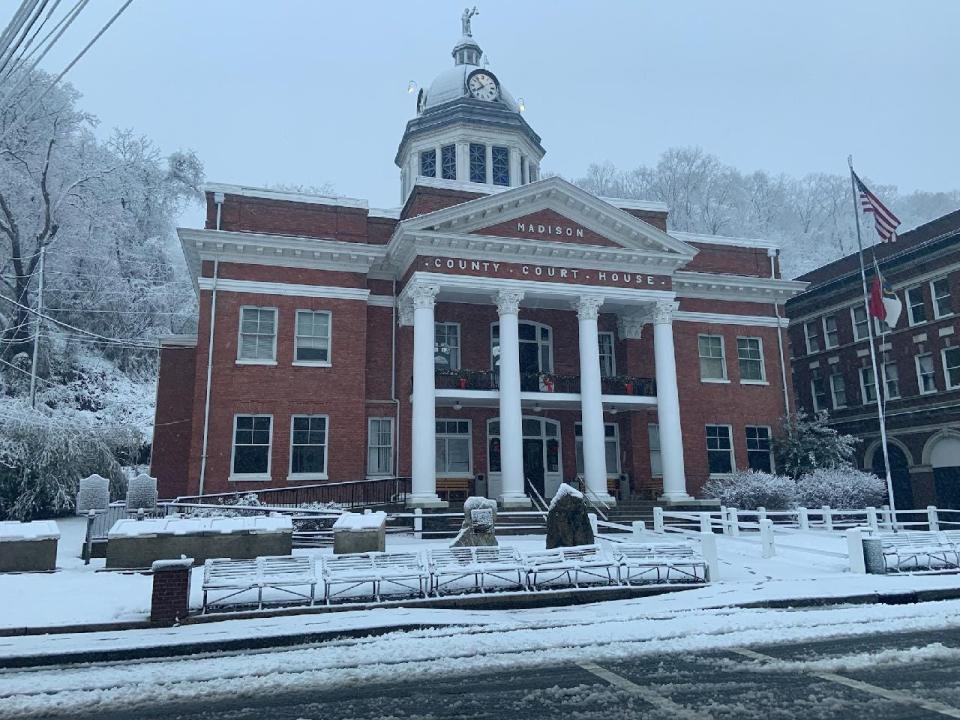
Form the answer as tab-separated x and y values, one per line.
465	20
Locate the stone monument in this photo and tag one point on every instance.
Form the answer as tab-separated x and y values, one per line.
479	523
568	523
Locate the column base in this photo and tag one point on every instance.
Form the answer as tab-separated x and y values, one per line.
514	502
427	501
675	498
602	499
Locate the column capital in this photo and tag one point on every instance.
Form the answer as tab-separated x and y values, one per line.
631	326
405	312
508	302
663	311
588	306
423	297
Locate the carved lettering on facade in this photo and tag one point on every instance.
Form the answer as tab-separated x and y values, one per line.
555	230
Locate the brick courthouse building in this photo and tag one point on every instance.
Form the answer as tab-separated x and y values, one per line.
497	333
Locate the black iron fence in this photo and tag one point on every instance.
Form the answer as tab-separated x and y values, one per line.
543	382
353	493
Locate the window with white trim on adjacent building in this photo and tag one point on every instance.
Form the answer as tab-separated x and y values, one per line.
951	367
252	435
312	340
447	341
611	447
812	332
868	385
448	162
891	375
940	292
750	359
500	157
926	375
380	446
428	163
453	448
258	335
719	449
308	447
478	163
831	336
608	361
713	366
656	459
838	391
916	310
759	448
818	391
861	322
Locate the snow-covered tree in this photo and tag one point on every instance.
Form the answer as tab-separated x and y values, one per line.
749	490
808	443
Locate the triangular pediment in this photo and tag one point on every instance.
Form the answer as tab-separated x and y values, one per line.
567	214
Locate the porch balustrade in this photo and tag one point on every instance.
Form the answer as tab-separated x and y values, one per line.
543	382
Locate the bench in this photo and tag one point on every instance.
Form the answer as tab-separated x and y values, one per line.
355	571
914	550
572	563
643	561
455	564
235	577
453	489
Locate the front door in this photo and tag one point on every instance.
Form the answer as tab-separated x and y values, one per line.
533	470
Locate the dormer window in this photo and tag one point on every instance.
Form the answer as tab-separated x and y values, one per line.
478	163
501	165
428	163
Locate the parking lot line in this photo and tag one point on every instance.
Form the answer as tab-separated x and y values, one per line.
649	695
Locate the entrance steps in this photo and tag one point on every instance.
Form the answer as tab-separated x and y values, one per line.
630	510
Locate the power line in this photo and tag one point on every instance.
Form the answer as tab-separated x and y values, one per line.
27	372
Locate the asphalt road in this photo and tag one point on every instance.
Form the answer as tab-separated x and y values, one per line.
808	681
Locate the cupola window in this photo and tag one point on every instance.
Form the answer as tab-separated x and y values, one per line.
448	162
428	163
501	165
478	163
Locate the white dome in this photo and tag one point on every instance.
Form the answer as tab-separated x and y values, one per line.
451	85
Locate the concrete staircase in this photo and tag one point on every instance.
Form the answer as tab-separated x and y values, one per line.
631	509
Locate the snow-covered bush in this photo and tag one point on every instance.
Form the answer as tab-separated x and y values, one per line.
94	494
843	488
748	490
142	492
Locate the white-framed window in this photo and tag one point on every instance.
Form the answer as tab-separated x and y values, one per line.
759	448
750	358
940	292
478	163
308	447
838	391
880	327
428	162
868	386
720	449
713	365
818	391
311	343
258	335
926	375
891	375
447	340
831	335
611	447
656	459
951	367
250	454
448	162
500	163
536	339
608	360
380	446
454	452
812	332
861	322
916	310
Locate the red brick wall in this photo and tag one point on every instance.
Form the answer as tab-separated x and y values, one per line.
730	260
173	430
423	200
289	275
656	218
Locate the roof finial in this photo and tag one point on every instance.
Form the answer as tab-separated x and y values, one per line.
465	20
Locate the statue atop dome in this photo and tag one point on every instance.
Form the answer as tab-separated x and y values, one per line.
465	20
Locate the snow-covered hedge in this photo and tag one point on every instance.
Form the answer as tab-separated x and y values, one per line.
142	492
748	490
844	488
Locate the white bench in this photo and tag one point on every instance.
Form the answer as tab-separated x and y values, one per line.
235	577
579	563
915	550
455	564
353	571
641	561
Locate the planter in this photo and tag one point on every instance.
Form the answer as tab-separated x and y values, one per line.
628	388
462	382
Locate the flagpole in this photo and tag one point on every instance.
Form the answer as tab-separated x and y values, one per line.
880	382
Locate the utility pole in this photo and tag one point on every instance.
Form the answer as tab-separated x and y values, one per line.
36	333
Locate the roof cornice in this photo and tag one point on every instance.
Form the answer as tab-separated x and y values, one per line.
742	288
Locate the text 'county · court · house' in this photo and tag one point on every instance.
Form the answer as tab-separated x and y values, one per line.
497	334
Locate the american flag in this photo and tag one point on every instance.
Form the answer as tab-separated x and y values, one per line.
884	220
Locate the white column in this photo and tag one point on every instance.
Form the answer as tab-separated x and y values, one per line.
591	401
513	492
515	167
668	404
423	436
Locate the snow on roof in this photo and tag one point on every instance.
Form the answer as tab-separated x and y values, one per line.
361	521
189	526
563	490
11	530
451	84
689	237
628	204
300	197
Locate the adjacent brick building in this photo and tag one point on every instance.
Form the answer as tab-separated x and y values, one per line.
920	358
496	334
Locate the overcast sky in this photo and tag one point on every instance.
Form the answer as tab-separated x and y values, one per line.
310	92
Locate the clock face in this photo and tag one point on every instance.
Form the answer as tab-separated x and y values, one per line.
483	86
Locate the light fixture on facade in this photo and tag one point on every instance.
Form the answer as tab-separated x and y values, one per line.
411	86
537	408
457	405
613	410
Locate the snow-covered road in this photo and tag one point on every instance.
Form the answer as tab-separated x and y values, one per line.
607	633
